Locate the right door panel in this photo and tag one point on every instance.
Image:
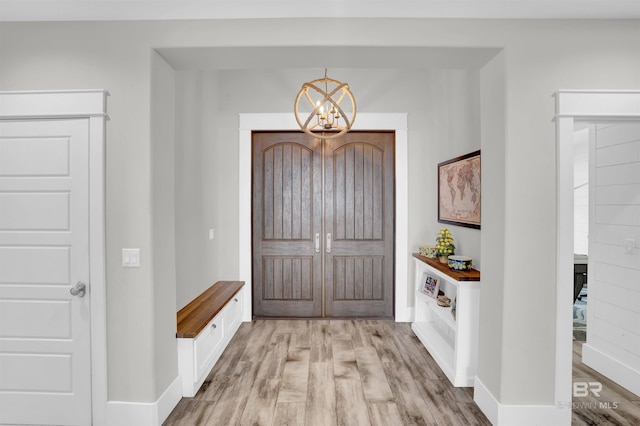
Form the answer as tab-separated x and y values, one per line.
359	225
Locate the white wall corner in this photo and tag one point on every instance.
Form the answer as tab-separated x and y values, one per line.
145	413
521	415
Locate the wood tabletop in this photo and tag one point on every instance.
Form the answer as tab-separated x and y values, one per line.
472	275
196	315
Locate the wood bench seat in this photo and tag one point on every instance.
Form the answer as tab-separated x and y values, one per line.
194	317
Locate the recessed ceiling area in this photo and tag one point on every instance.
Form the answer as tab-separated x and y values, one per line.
122	10
230	58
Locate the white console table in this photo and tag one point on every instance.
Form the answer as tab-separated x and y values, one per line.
451	341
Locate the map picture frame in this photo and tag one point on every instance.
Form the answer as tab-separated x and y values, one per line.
459	193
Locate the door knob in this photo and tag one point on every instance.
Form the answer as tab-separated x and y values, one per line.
329	242
79	290
317	242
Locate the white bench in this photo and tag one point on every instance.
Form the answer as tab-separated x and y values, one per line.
205	327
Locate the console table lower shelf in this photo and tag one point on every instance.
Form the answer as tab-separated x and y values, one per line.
440	350
450	334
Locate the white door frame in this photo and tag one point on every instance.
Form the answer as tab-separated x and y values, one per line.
571	106
90	104
365	121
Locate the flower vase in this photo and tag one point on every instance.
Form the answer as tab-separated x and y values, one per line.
444	259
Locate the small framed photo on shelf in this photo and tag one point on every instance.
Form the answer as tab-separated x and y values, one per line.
430	285
453	308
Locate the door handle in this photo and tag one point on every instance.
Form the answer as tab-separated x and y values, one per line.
328	242
317	242
79	290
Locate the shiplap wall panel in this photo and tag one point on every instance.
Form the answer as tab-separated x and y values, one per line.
612	255
625	319
614	234
622	174
616	134
623	277
616	297
611	338
612	155
618	214
614	272
619	194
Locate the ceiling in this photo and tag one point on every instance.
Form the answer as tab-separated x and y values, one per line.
89	10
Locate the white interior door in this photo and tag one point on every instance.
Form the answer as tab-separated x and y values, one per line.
45	353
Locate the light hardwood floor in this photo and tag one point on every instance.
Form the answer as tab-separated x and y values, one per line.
298	372
321	372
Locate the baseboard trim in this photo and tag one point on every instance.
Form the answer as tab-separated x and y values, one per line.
521	415
486	401
145	413
620	373
169	399
407	316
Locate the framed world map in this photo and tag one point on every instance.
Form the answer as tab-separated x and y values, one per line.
459	191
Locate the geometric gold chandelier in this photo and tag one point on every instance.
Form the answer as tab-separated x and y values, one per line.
322	105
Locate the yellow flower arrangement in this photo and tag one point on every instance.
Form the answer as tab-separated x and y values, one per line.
444	243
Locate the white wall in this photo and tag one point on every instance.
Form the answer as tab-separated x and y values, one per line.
444	124
546	58
493	134
613	324
95	55
206	171
163	221
443	107
539	57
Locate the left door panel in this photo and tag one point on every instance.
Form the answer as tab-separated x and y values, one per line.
287	225
45	352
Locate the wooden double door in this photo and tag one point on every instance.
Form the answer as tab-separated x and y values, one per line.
323	225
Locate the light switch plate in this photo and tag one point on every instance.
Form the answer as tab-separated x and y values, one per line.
630	245
131	257
211	234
